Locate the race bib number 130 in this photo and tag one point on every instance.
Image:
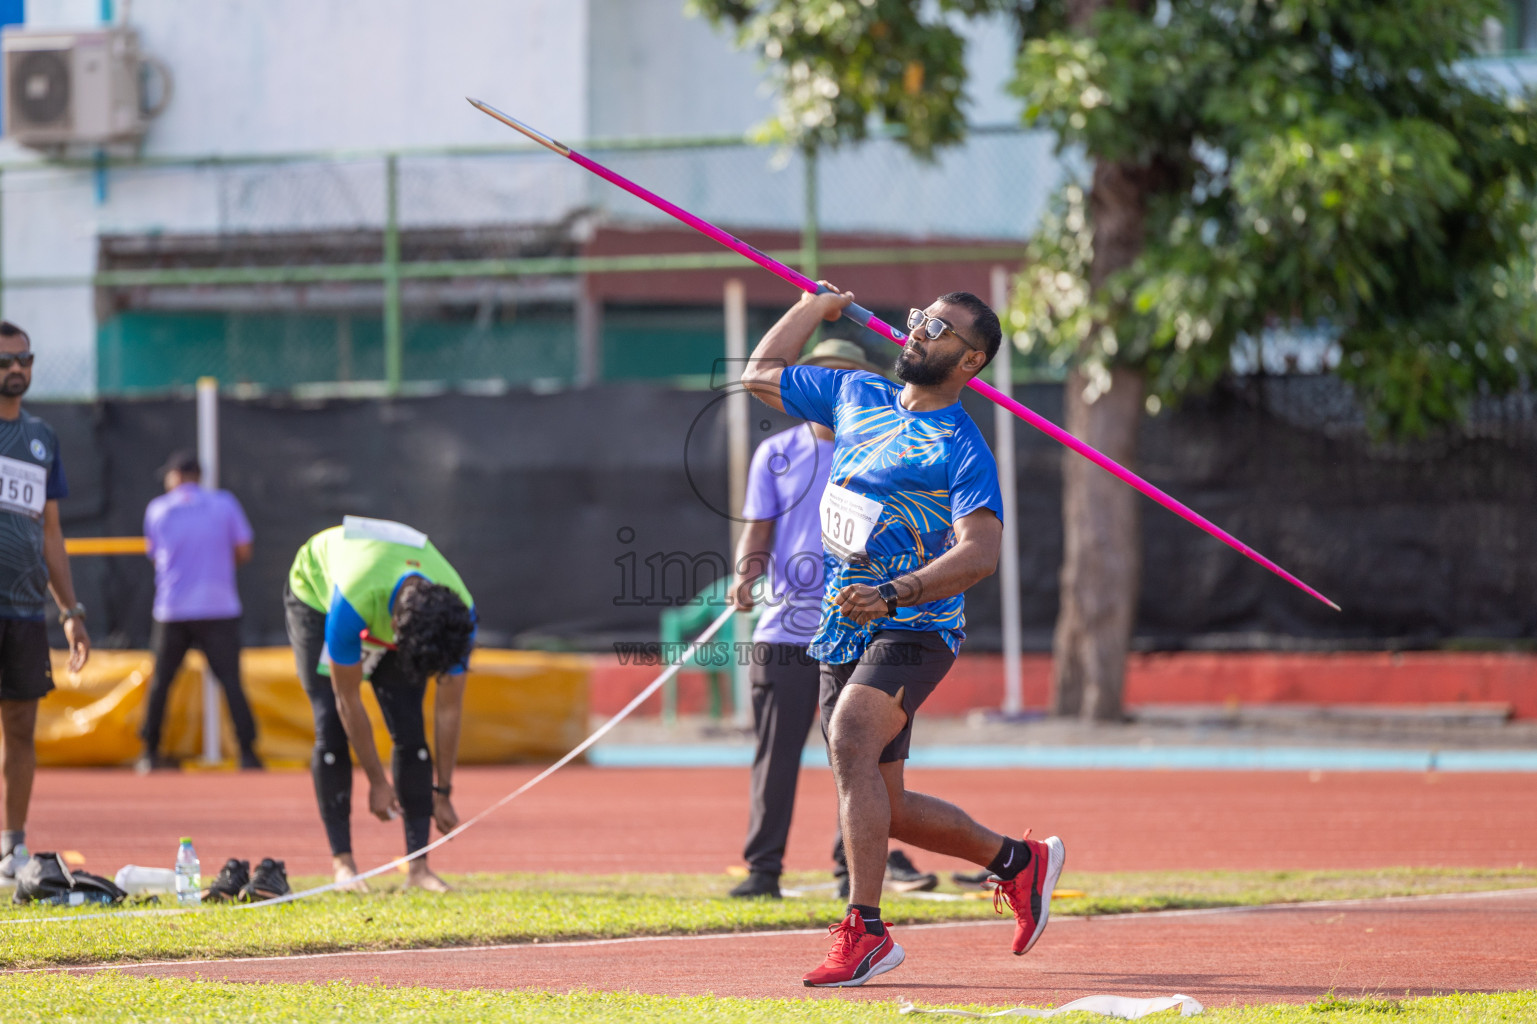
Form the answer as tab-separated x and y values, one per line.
848	519
23	487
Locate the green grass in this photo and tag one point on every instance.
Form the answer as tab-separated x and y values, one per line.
108	999
527	908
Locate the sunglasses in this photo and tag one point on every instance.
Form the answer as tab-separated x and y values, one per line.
932	327
24	359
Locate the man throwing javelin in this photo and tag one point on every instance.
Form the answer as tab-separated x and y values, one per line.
910	520
374	598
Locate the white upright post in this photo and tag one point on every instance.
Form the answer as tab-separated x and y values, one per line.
208	460
737	415
1008	573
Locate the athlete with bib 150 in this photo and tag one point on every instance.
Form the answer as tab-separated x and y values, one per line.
374	599
910	519
32	564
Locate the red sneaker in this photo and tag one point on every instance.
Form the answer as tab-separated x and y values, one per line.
1028	893
856	956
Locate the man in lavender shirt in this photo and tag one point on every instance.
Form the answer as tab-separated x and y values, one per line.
196	538
782	541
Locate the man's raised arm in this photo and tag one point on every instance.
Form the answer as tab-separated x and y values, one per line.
782	345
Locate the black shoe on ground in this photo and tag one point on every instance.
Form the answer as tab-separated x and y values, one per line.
901	876
758	884
155	763
966	878
843	888
232	878
249	762
269	881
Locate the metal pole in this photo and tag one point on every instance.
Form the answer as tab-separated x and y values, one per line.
1008	572
589	335
811	243
736	402
737	415
208	460
393	341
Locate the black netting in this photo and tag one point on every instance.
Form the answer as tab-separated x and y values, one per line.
547	502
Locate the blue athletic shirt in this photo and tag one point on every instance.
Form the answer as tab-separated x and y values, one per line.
927	469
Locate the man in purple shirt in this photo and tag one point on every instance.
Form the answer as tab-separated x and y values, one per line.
781	543
196	538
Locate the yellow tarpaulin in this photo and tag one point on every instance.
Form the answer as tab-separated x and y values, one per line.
518	706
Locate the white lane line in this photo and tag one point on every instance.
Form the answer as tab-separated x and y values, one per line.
1265	908
1151	915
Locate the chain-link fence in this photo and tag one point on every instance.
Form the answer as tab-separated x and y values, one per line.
476	269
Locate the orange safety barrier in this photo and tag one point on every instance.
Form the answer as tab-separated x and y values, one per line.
105	545
518	706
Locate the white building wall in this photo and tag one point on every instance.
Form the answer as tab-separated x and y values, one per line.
301	75
284	76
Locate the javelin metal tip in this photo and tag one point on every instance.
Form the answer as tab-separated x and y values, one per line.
512	122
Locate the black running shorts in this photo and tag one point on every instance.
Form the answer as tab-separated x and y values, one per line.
25	671
896	661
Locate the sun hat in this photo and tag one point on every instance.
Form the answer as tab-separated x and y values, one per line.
840	354
183	461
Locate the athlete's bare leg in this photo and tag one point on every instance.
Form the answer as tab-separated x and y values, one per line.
936	825
864	721
874	805
18	724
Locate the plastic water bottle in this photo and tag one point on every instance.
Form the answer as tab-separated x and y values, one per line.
189	875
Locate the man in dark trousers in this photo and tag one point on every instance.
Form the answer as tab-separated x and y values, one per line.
781	544
32	563
197	538
910	521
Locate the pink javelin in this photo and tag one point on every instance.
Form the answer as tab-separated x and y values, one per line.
865	318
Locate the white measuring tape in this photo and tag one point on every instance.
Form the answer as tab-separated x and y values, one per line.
1124	1007
575	752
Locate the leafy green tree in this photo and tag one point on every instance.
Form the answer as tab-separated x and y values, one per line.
1336	166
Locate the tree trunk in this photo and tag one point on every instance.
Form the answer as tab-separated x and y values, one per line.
1102	544
1102	554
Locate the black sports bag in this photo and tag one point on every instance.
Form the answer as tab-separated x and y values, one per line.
47	879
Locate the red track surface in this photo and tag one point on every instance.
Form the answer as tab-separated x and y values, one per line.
607	820
1421	947
591	820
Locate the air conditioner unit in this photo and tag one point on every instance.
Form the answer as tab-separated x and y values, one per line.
72	88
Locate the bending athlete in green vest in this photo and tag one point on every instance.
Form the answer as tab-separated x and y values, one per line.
373	598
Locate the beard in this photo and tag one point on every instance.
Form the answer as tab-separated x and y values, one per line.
14	385
925	371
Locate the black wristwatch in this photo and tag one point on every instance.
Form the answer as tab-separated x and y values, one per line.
443	790
888	592
77	612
